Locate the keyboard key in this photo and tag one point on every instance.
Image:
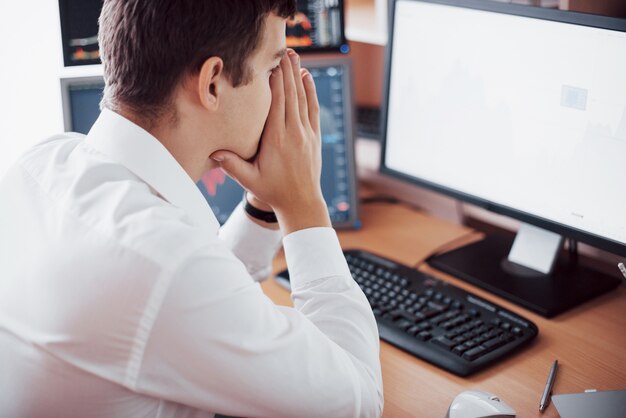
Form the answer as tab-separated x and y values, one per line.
402	314
413	330
424	326
474	353
438	306
443	342
429	313
404	324
424	335
459	350
459	339
493	343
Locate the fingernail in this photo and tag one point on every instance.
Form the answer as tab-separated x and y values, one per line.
293	57
308	77
218	158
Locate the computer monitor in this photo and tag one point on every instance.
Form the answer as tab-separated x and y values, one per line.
81	99
333	80
522	111
317	26
79	31
81	102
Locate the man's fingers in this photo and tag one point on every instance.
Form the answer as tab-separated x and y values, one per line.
313	105
302	104
276	114
236	167
291	95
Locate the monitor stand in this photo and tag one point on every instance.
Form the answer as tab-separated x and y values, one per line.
564	284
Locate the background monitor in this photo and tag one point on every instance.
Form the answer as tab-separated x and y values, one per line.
79	31
522	111
317	26
333	80
81	100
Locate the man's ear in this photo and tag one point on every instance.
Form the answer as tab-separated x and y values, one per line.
210	81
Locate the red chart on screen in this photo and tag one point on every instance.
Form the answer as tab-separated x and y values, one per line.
212	179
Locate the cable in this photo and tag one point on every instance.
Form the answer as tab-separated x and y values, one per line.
572	246
381	198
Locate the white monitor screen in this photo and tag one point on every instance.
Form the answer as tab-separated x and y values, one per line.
525	113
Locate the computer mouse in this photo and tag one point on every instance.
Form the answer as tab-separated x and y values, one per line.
479	404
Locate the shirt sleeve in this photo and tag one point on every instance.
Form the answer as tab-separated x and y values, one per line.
221	345
254	245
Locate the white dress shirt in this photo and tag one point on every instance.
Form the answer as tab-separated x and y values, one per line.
120	296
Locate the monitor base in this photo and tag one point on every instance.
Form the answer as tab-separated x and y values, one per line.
485	265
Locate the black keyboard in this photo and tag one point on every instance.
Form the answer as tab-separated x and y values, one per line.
433	320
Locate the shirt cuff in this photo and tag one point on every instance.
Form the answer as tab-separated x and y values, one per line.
251	243
313	254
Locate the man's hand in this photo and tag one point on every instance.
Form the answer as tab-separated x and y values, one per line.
286	172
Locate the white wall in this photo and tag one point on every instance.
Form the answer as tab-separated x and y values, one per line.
31	64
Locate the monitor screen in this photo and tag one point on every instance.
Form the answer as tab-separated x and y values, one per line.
81	102
523	115
79	31
333	80
318	25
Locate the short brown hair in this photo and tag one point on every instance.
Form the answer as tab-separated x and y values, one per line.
147	46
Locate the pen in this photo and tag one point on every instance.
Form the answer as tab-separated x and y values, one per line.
622	269
545	398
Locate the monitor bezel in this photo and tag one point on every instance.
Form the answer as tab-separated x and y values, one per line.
66	101
342	48
597	21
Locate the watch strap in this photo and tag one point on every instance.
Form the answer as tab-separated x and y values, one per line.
262	215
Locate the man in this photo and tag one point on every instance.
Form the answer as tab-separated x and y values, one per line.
119	294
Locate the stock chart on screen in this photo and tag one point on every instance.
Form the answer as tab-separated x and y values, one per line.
317	25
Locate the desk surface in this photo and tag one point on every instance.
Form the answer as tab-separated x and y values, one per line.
589	341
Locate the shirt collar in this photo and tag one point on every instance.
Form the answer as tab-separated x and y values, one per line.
143	154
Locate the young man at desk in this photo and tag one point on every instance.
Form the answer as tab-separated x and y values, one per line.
120	295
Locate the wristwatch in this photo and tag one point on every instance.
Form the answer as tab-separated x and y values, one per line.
269	217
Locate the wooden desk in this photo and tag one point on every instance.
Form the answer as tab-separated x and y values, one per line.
589	341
